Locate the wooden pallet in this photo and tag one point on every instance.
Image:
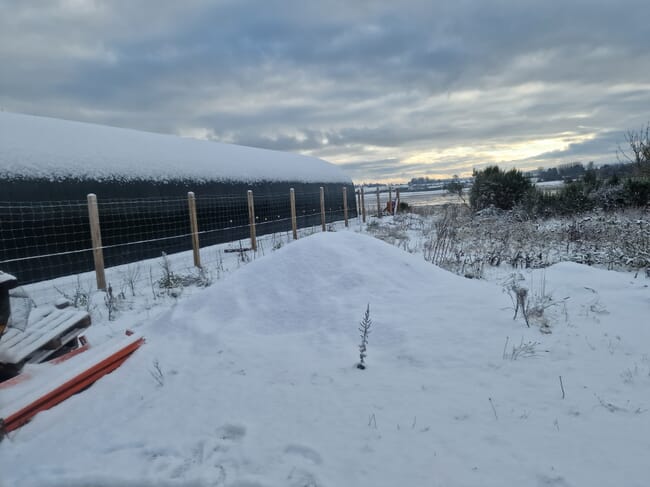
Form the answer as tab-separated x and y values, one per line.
49	328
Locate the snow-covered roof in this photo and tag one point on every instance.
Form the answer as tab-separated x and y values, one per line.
39	147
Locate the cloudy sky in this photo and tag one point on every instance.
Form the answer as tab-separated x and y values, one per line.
389	90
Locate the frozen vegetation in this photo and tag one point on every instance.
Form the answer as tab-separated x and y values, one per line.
467	243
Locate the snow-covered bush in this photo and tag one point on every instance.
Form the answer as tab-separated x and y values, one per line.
466	243
80	296
173	283
501	189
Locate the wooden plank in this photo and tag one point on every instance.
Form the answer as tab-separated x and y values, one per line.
76	384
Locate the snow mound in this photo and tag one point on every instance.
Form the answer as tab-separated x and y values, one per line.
308	286
53	149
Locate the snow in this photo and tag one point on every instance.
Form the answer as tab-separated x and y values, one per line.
55	149
257	384
7	279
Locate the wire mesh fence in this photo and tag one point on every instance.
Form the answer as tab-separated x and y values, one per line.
43	241
374	203
134	230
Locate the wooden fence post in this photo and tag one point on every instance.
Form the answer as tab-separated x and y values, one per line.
294	223
251	219
322	208
390	200
358	203
378	203
345	205
363	206
96	236
397	198
194	228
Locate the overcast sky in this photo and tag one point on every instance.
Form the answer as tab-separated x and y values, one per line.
389	90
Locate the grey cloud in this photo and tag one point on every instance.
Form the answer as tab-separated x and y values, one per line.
601	149
368	77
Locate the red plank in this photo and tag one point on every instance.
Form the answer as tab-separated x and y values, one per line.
72	386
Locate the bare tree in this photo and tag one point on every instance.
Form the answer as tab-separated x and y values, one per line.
455	187
638	151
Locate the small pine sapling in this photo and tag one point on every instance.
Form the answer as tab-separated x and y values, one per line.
364	329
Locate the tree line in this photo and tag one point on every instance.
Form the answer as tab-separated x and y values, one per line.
586	188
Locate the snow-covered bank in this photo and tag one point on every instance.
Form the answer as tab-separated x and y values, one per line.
258	385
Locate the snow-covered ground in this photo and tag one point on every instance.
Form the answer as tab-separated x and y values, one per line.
252	381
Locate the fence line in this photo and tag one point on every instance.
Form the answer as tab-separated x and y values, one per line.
387	202
42	241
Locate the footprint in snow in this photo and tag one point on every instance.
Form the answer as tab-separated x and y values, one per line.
301	478
304	452
410	360
545	480
245	483
232	432
134	445
320	380
183	464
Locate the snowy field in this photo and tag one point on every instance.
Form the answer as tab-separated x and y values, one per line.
252	381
